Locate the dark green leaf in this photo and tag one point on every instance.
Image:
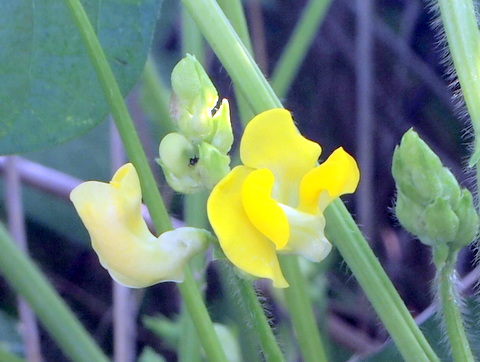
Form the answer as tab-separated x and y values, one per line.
49	91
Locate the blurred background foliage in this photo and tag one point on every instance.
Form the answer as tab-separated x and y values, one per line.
409	90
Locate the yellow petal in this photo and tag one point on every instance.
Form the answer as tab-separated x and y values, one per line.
242	243
338	175
120	237
272	141
264	212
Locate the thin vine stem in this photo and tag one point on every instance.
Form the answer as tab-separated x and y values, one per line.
301	312
450	301
302	37
463	40
150	192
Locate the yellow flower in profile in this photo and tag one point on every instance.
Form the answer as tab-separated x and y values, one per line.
275	201
133	256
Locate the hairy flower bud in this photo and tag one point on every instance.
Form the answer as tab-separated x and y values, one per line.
430	202
196	157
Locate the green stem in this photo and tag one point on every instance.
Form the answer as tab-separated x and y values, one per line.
234	56
150	192
259	322
301	312
199	315
159	97
233	10
237	312
377	286
346	236
249	314
297	46
449	298
27	280
463	38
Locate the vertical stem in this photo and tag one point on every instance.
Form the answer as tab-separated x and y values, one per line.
255	14
160	96
124	326
365	117
302	37
379	289
463	38
259	322
16	225
301	312
150	192
450	301
233	10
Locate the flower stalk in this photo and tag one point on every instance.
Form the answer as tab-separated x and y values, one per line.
151	194
450	310
300	309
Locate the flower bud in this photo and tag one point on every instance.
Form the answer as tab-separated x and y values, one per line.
190	82
178	158
430	202
196	158
468	226
212	165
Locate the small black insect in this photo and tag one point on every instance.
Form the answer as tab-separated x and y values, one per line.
193	161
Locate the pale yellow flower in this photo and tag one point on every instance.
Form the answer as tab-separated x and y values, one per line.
275	201
133	256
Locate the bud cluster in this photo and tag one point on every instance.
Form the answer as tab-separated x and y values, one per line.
195	157
430	202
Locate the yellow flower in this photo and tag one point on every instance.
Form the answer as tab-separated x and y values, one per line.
125	247
275	201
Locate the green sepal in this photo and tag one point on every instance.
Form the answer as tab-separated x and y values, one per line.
468	227
222	137
190	82
441	223
212	165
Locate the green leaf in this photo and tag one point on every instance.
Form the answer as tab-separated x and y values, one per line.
49	90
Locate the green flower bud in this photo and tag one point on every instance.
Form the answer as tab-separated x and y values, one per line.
430	202
468	227
196	126
212	165
190	168
190	82
196	157
410	215
416	169
178	157
441	223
